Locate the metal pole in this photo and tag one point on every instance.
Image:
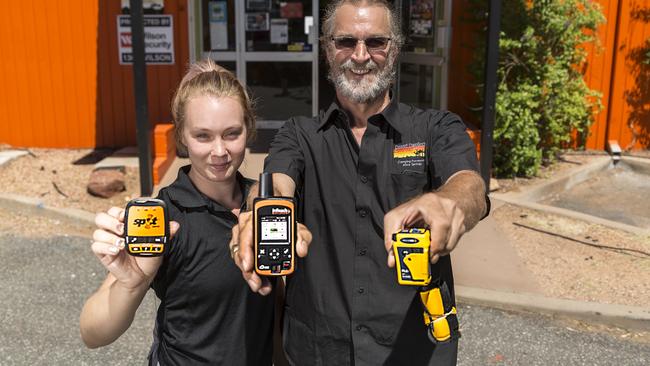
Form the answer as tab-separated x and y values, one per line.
143	129
490	91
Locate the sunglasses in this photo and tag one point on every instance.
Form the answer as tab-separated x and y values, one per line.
350	43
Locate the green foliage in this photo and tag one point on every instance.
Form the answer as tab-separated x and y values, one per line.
542	97
513	136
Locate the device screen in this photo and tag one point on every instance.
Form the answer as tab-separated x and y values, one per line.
146	221
274	229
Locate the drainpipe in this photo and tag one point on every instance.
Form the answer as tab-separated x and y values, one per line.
614	150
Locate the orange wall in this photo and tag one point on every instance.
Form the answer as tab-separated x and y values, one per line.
629	101
613	67
48	72
115	98
62	82
598	72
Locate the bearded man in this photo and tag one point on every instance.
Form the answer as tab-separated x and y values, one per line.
362	170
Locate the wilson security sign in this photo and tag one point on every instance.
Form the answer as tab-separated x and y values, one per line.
158	39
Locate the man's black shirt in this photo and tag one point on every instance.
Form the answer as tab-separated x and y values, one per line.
343	304
208	315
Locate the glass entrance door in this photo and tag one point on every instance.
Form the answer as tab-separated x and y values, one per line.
272	46
422	76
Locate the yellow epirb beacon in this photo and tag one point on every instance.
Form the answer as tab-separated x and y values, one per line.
411	249
146	228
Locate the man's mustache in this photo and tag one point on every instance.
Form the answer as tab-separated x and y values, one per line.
351	65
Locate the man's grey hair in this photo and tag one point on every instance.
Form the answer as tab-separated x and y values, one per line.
397	38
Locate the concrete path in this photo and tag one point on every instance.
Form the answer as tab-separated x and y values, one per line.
485	258
125	157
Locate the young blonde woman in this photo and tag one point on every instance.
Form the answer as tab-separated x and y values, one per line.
207	313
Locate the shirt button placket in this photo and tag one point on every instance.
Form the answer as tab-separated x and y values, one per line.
365	214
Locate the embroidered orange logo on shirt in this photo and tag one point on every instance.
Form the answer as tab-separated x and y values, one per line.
412	150
410	156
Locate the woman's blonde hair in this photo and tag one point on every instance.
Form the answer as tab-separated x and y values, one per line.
205	77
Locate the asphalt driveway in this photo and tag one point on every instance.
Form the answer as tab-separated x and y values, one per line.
44	283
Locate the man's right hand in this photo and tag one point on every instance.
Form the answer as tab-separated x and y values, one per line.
241	249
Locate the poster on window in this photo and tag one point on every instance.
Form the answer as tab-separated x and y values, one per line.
258	5
218	15
279	31
256	22
421	18
290	10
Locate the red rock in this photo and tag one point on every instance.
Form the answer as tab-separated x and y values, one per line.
106	182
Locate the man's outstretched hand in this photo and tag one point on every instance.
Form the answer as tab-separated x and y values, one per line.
241	250
442	216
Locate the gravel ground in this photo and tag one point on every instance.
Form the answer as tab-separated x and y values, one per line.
573	259
52	176
566	162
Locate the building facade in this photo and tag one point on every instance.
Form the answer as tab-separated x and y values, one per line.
68	81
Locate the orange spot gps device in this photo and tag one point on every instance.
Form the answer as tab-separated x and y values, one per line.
146	229
274	231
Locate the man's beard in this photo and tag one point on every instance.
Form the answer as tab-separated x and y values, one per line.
364	90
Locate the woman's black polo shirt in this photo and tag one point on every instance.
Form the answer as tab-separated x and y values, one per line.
343	304
207	314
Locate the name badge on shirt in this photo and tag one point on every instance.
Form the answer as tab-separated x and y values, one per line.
410	156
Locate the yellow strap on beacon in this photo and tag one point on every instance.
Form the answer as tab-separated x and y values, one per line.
440	324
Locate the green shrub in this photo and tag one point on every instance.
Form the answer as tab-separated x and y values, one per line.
541	96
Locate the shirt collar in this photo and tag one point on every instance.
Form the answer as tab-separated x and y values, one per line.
185	193
390	114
